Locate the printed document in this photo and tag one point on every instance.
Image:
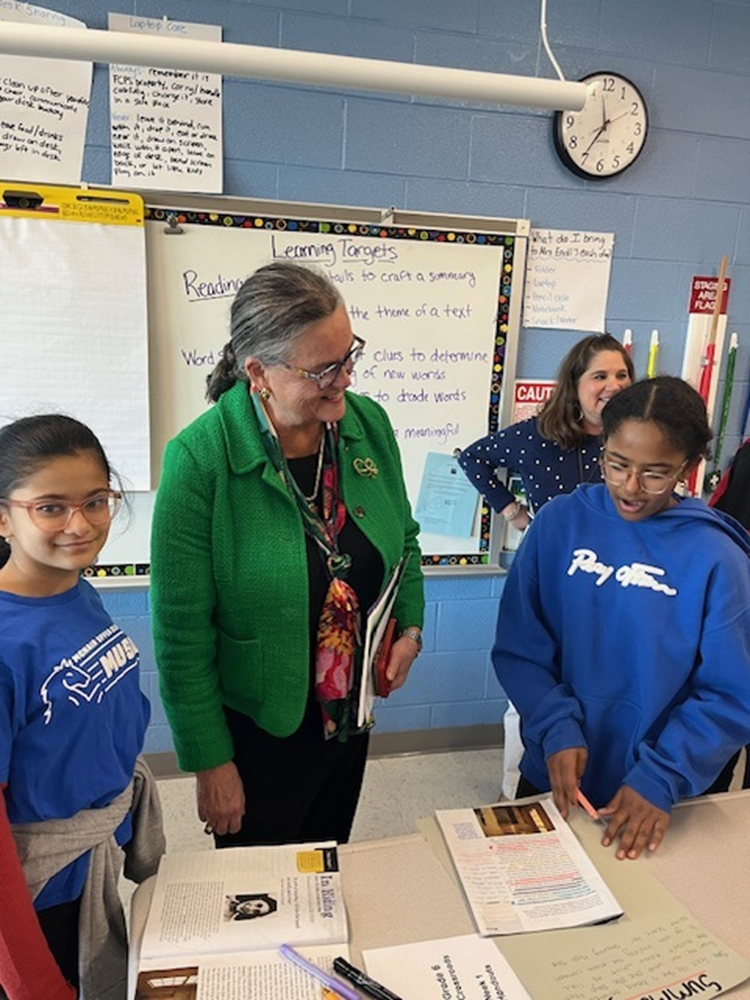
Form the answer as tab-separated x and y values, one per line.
458	968
523	869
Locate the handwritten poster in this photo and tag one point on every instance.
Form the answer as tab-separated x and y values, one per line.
44	106
653	958
165	123
428	316
567	279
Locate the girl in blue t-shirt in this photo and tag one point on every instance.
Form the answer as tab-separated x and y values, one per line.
624	628
72	716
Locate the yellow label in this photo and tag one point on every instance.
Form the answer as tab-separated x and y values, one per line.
70	204
310	862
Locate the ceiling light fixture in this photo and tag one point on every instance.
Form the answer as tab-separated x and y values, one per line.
288	66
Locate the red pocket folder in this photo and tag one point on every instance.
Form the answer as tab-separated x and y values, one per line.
382	684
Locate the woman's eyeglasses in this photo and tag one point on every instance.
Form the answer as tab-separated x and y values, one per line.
55	515
655	483
329	375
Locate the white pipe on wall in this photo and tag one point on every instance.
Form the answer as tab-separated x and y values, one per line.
231	59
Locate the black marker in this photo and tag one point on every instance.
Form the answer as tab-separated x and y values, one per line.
362	981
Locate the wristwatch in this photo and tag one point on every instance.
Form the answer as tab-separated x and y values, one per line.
415	635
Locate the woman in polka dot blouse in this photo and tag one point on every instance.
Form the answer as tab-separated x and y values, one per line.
558	449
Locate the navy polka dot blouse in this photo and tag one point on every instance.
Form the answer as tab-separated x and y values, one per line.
544	467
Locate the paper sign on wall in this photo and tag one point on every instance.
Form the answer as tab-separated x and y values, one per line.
529	396
166	123
567	279
45	106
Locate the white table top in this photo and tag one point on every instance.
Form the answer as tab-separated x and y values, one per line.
397	890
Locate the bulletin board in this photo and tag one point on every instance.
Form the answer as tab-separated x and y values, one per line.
437	299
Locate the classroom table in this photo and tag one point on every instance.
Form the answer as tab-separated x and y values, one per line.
398	890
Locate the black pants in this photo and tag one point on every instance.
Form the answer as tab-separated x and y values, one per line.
724	780
297	788
526	789
60	926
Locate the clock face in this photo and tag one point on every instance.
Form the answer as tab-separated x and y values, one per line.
608	134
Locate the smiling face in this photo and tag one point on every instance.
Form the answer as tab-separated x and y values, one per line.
606	375
42	562
639	451
296	405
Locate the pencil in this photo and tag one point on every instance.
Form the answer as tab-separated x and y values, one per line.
653	354
587	805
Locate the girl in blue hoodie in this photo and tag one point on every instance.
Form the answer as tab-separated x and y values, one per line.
624	628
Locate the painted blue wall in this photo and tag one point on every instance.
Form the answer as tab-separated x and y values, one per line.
682	205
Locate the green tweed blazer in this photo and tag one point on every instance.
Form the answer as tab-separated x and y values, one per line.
229	589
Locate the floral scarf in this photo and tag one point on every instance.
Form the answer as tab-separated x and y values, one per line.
338	645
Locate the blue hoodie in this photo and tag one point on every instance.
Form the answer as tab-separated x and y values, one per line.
631	639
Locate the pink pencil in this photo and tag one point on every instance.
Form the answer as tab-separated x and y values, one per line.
587	805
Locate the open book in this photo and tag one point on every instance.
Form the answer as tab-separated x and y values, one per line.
217	919
523	869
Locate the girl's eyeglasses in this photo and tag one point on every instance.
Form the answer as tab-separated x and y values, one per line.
55	515
329	375
653	483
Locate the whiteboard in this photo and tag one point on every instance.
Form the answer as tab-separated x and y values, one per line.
73	323
436	298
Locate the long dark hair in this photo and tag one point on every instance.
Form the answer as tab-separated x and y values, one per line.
560	418
28	443
669	402
271	309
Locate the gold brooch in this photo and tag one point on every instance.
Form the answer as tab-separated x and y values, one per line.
365	467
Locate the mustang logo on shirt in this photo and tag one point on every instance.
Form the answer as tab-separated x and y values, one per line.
89	673
634	575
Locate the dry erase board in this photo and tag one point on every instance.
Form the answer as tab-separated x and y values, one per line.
436	298
73	314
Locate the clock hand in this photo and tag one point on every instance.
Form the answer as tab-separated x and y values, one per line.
593	142
618	117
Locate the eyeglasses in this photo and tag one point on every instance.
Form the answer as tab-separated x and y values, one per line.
655	483
329	375
55	515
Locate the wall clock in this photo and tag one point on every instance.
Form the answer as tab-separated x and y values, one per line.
607	135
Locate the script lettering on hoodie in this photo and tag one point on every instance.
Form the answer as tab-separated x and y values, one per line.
634	575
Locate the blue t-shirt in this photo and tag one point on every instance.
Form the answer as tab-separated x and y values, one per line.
72	715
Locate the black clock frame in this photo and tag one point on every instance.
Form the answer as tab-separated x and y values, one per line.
559	142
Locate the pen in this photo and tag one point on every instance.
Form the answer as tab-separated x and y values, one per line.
362	981
331	982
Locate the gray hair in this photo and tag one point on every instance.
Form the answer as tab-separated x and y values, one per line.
273	307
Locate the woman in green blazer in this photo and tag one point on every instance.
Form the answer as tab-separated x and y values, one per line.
280	515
